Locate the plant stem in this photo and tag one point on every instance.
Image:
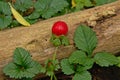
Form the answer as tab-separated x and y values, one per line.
55	77
54	58
51	77
54	55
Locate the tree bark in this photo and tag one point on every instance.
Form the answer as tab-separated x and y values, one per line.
104	20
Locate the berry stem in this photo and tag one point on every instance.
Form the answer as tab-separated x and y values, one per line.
54	55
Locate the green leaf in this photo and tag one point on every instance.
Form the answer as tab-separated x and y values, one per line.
101	2
86	66
49	73
77	57
65	40
85	39
88	63
56	64
32	69
118	61
22	66
105	59
67	68
23	5
80	4
85	75
48	8
5	21
43	70
56	42
34	15
80	68
12	70
22	57
14	23
5	15
51	66
4	8
31	21
88	3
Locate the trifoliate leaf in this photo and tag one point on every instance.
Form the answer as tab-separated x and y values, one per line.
85	75
101	2
85	39
77	57
18	72
48	8
105	59
67	68
22	57
22	66
18	17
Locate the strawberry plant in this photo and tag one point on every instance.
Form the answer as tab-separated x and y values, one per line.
22	67
81	60
58	38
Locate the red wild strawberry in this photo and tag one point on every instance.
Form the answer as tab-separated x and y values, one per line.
60	28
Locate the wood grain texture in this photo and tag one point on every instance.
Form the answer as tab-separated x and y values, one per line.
36	37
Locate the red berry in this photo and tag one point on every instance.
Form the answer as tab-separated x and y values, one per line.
60	28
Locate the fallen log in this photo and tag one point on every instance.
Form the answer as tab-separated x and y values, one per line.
104	20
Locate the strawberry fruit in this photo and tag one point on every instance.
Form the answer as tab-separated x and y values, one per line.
59	32
60	28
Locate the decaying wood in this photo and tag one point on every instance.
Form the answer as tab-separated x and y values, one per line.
105	21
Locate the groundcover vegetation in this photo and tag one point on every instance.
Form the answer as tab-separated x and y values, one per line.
78	64
34	10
